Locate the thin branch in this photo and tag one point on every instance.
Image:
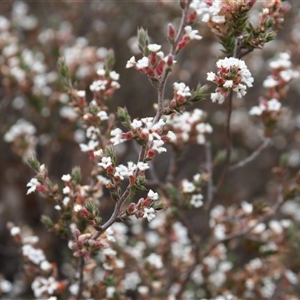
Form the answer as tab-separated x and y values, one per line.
165	75
228	148
80	279
251	157
210	172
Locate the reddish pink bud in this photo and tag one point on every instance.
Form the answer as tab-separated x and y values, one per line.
170	60
131	208
110	170
84	212
181	44
77	233
143	135
41	188
146	202
220	80
172	104
127	135
160	68
150	153
132	179
180	100
117	179
91	155
81	101
150	72
153	58
279	20
139	214
171	31
192	17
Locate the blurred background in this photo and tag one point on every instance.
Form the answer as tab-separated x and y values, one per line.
33	35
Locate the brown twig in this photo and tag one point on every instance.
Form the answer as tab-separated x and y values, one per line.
81	278
251	157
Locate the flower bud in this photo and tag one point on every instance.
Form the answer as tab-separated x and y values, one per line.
192	17
171	31
131	208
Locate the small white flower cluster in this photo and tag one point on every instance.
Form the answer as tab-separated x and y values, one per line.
281	72
233	75
105	82
272	105
21	18
41	286
209	12
189	126
22	130
218	265
189	187
153	64
121	171
145	130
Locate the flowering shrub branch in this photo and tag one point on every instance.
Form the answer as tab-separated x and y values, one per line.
134	224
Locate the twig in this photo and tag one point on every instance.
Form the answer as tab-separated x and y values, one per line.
251	157
165	75
80	279
210	172
228	149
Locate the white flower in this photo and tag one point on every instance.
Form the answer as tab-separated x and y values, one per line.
114	75
32	184
157	146
89	147
155	260
256	110
101	72
34	255
211	76
247	207
122	171
77	207
171	136
45	265
274	105
131	62
217	97
149	213
142	166
117	136
105	162
135	124
154	47
152	195
81	94
192	34
15	231
270	82
143	63
187	186
228	84
196	200
41	286
102	115
110	291
66	190
66	178
5	285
